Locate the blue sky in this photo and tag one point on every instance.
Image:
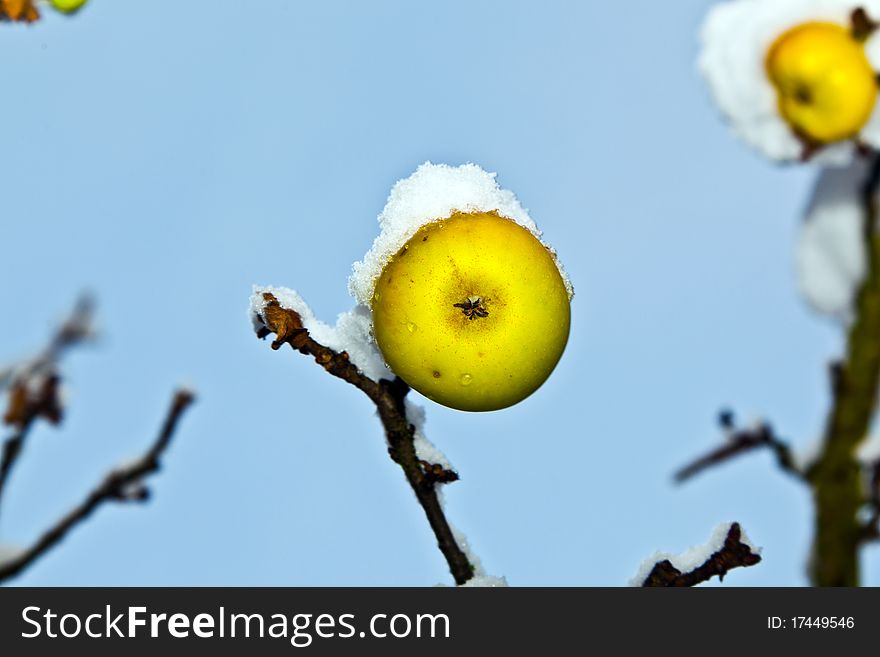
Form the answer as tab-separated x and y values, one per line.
169	155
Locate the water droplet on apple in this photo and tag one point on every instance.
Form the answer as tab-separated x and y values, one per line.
466	379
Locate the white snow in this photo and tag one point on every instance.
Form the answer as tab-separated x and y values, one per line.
485	581
735	38
463	543
868	453
128	463
9	553
804	457
430	194
352	332
480	578
830	256
692	557
416	414
425	449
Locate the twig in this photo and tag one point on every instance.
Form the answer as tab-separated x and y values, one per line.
733	554
121	484
11	451
836	476
862	26
34	385
740	441
388	396
76	329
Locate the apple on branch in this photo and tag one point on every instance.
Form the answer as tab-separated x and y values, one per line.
472	311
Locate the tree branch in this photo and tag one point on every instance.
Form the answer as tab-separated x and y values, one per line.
871	528
740	441
836	476
124	483
388	396
733	554
34	385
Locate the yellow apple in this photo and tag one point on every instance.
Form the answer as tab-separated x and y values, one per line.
825	85
67	6
472	312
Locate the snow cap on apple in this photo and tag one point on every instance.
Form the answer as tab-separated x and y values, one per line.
796	79
469	306
431	193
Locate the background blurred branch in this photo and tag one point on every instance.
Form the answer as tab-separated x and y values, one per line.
388	396
732	554
740	441
121	484
34	393
871	528
34	384
836	476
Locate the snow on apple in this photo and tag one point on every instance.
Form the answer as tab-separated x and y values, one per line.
830	253
692	557
736	38
434	192
469	306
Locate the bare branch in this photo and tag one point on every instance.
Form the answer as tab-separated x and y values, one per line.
836	475
124	483
77	328
388	396
34	385
740	441
733	554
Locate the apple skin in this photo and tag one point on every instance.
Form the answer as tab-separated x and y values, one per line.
472	359
67	6
826	88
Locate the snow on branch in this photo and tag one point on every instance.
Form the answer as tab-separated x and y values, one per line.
291	321
871	463
728	548
739	441
124	483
